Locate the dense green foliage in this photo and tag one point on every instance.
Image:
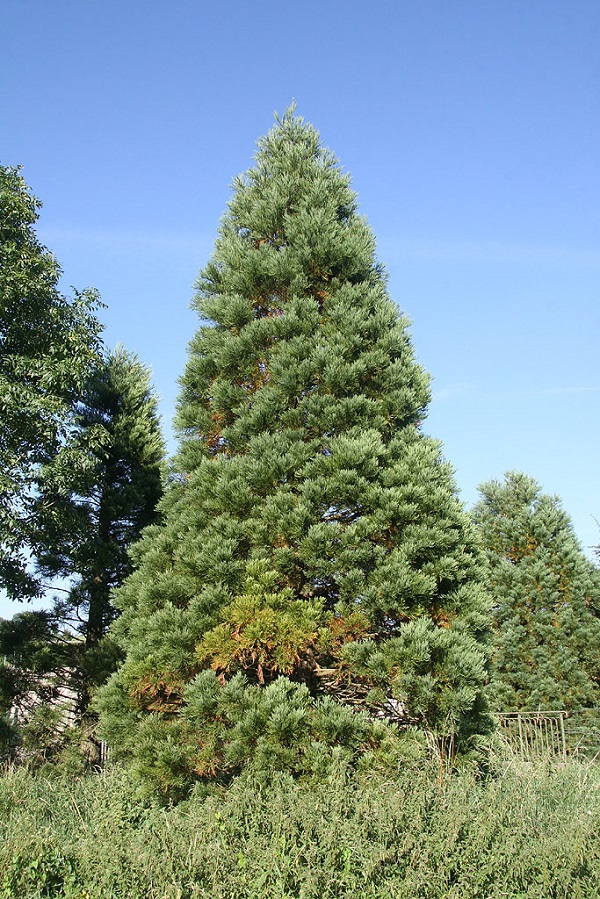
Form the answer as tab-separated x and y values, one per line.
309	581
81	459
312	532
34	659
48	342
94	497
546	600
528	833
88	521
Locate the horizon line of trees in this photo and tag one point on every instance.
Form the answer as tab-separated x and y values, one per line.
306	572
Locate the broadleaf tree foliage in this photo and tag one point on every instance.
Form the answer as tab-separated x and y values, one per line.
93	500
314	563
35	680
48	343
546	600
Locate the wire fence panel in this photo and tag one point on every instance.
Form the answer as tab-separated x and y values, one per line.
535	735
104	753
552	734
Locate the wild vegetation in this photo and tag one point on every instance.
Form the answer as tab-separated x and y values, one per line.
528	831
292	639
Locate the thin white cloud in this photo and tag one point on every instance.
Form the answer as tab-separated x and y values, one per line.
453	391
450	391
561	391
120	241
488	251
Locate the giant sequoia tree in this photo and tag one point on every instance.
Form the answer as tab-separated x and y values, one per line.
315	567
546	599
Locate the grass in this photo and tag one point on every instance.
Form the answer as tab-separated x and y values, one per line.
527	831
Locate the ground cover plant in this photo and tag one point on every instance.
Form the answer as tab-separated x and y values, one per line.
528	831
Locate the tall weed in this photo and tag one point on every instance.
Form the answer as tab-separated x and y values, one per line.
525	831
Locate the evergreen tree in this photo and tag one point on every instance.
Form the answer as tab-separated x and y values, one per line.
87	523
546	597
48	342
314	556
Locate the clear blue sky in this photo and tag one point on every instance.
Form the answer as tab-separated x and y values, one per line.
471	129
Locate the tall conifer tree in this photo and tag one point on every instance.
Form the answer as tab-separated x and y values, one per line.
314	556
87	521
546	597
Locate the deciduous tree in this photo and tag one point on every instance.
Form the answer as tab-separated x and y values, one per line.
48	343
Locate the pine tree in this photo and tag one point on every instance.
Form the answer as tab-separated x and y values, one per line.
546	597
315	564
86	523
48	342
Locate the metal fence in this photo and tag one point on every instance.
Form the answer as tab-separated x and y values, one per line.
552	734
535	735
104	753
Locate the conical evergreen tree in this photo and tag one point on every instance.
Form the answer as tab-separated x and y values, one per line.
546	597
86	522
313	542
